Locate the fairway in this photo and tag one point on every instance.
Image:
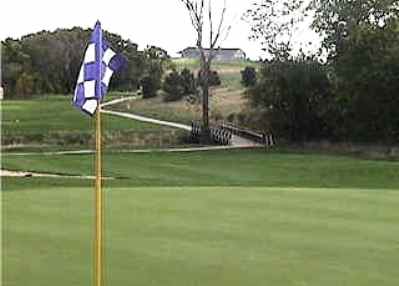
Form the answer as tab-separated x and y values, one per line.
51	123
217	218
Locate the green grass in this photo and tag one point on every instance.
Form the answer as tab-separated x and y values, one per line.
204	236
229	168
215	218
195	64
229	72
52	122
54	114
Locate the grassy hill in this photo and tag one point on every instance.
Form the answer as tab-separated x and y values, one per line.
224	100
229	72
218	218
52	123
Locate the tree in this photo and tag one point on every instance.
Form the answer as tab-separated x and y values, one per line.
294	96
362	41
336	19
216	33
273	23
52	60
366	72
156	61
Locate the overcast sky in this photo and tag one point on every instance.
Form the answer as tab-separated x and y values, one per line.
164	23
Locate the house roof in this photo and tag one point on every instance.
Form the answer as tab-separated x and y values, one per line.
216	49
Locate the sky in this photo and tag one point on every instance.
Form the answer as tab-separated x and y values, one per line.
163	23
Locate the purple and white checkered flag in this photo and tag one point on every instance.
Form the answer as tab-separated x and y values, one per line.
98	66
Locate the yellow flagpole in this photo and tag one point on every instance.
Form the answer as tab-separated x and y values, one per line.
99	208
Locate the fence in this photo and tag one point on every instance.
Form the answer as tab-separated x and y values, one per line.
223	134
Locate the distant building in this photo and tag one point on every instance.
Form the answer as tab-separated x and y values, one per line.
222	55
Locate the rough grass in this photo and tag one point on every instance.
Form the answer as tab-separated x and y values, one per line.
229	72
223	102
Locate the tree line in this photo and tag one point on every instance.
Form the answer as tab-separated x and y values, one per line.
48	63
347	91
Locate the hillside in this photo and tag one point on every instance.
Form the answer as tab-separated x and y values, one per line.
224	100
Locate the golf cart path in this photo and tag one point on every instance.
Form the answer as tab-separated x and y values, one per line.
237	141
27	174
147	120
138	151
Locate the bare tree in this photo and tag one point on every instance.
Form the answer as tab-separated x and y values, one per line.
217	32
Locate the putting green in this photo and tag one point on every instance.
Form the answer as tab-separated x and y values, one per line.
204	236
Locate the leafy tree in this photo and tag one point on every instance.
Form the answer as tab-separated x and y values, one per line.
273	23
337	19
156	62
52	60
362	40
352	97
294	97
367	71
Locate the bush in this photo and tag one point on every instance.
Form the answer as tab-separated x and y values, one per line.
150	86
248	77
173	87
176	85
214	78
188	82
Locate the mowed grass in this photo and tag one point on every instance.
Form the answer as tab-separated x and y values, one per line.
204	236
218	168
52	123
217	218
54	114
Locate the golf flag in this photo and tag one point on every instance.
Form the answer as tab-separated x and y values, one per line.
99	64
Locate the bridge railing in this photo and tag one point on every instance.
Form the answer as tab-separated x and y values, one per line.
223	134
218	135
256	136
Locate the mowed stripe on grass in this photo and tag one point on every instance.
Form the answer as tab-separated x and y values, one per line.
219	168
204	236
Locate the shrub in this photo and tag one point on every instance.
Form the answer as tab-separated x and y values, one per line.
188	82
214	78
173	87
150	86
248	77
